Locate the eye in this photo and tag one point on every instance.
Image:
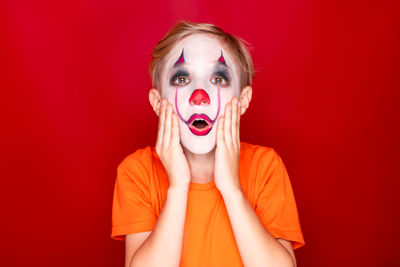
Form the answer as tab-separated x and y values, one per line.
218	80
181	81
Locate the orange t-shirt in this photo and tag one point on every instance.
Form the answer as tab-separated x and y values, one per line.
141	188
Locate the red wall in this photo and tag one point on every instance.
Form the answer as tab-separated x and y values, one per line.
74	83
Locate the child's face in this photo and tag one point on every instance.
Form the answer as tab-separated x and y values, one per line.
198	79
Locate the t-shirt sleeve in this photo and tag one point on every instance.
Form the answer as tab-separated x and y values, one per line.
276	206
132	210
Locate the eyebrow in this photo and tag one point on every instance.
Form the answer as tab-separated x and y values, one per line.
180	61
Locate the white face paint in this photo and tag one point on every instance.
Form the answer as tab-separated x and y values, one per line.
199	79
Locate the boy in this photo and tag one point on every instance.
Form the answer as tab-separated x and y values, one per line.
201	197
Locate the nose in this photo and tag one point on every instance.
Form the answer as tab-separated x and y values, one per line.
199	97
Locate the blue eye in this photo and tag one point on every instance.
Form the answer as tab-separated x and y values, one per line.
218	81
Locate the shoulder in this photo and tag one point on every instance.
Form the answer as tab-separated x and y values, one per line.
141	156
251	154
260	165
139	161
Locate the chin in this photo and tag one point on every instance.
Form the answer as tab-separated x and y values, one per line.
199	149
199	144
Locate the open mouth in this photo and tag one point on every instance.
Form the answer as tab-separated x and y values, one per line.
200	124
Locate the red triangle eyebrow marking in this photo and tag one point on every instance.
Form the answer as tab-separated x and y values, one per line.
221	59
180	60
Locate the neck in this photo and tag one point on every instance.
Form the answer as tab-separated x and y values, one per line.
201	166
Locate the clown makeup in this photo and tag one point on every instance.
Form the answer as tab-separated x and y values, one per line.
199	79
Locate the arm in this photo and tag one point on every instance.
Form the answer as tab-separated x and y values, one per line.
257	247
163	246
288	245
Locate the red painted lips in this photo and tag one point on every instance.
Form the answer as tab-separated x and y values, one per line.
200	124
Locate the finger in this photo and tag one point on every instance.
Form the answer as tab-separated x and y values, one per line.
161	120
227	125
158	107
175	130
220	130
234	120
167	130
238	123
243	104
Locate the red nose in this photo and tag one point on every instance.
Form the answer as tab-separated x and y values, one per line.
199	97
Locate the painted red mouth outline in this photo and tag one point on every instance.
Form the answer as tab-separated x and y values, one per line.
203	131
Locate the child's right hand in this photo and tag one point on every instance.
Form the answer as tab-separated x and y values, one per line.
169	149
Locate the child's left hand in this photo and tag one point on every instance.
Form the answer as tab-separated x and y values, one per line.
228	149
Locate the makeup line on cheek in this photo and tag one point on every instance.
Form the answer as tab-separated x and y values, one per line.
176	106
219	104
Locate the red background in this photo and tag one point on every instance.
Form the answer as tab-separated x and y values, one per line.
74	102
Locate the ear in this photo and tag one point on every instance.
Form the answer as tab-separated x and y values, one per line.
245	98
155	100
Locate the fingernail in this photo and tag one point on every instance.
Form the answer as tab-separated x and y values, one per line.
162	103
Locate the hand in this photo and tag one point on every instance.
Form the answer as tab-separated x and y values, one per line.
228	149
169	149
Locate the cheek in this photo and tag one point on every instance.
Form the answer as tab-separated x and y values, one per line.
169	94
181	98
226	97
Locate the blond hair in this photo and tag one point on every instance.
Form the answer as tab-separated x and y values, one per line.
236	45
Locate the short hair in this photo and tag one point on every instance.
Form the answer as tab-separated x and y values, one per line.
235	45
